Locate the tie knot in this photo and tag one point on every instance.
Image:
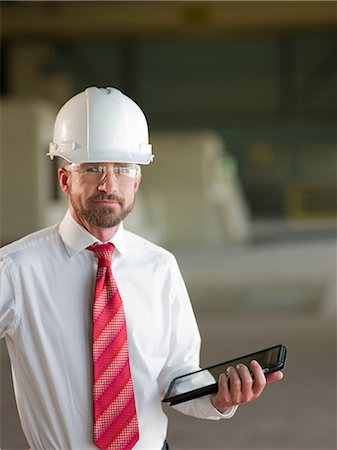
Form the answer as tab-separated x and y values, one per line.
103	252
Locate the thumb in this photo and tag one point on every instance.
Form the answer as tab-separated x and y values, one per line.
275	376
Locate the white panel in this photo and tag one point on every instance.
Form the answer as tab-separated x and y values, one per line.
27	179
198	190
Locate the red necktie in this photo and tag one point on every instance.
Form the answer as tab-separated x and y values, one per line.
115	418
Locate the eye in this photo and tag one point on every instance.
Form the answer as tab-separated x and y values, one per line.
123	170
95	169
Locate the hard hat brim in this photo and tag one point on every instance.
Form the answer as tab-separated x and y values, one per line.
97	157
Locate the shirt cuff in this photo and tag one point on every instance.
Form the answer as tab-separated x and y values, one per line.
210	411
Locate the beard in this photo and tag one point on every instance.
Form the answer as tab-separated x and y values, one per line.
102	216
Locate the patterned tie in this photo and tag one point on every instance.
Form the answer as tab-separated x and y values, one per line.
115	418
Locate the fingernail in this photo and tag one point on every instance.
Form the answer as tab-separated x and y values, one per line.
228	370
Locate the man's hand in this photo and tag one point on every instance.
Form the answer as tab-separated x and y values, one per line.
238	386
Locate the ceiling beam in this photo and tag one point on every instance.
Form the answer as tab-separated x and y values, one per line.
77	19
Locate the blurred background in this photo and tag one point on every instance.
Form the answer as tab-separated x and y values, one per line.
241	100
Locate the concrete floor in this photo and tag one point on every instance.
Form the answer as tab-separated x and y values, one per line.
278	290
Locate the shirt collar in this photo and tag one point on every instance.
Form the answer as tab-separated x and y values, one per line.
76	238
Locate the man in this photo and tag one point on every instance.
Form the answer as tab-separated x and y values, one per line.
97	320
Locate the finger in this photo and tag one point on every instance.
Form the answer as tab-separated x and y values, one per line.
222	399
246	383
275	376
224	387
235	385
259	378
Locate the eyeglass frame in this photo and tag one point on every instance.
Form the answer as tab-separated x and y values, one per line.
76	167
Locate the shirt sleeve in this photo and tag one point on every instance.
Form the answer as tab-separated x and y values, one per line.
203	408
9	317
185	350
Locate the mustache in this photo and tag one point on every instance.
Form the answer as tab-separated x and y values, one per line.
103	196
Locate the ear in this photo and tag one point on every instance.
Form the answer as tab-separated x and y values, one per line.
137	183
64	180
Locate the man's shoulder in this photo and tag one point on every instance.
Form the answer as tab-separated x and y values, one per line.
138	243
30	242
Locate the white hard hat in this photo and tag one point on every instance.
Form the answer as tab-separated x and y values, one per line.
101	125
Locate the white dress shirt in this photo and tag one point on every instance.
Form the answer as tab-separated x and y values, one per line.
47	282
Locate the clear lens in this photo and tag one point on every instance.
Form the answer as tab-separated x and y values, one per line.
123	173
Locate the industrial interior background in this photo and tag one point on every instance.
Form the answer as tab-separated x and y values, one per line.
241	100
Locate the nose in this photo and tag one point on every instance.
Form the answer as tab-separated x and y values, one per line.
108	183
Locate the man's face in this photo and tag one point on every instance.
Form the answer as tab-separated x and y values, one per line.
100	195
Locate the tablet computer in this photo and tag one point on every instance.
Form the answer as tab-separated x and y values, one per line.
205	381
